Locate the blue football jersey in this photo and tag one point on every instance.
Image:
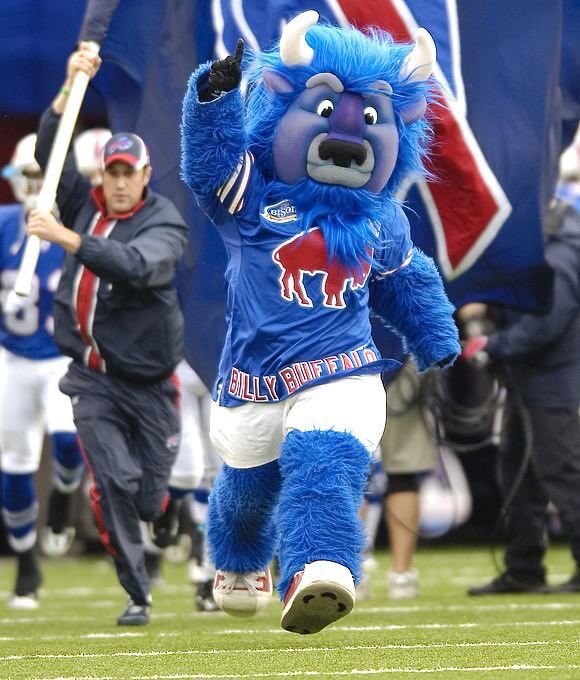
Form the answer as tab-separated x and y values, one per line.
28	331
294	318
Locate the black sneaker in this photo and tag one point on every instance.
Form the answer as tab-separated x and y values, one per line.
165	529
58	535
505	583
28	580
204	600
134	614
572	585
59	512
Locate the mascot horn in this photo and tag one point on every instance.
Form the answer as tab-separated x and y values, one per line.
299	178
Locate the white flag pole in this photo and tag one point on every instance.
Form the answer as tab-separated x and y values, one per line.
47	195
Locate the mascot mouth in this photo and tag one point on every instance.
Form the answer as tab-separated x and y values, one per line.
350	166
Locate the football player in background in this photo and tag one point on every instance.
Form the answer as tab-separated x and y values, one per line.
30	400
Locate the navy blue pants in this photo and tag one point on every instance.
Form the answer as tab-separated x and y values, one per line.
552	474
130	436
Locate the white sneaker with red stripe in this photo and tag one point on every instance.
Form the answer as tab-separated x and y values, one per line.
321	594
242	594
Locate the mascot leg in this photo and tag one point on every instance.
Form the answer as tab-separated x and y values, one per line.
321	540
242	536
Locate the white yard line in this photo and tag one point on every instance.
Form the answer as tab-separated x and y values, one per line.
420	626
512	606
333	674
88	636
361	610
284	650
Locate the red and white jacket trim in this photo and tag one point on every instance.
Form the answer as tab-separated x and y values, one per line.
85	291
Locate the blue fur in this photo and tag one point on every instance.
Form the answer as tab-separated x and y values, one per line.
213	136
241	517
414	304
349	218
358	60
324	474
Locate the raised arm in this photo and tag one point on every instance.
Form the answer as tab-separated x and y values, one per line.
213	137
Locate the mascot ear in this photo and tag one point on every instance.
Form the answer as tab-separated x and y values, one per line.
276	82
414	111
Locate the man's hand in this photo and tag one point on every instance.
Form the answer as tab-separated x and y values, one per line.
46	227
82	60
474	350
226	74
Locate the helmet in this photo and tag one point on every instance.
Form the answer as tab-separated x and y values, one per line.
24	173
88	148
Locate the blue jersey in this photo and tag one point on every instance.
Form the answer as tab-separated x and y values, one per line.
294	318
28	331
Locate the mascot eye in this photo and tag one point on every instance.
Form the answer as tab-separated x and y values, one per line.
325	108
371	115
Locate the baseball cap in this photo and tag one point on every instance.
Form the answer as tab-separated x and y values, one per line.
127	147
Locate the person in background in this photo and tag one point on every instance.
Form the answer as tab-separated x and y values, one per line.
117	316
541	358
30	401
88	150
408	449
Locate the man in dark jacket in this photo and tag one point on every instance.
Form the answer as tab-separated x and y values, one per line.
116	314
541	356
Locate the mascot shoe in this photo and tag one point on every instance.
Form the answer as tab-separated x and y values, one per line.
319	595
242	594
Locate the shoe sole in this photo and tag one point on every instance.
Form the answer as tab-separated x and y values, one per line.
132	622
316	606
23	603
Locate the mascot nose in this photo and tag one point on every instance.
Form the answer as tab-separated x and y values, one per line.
342	153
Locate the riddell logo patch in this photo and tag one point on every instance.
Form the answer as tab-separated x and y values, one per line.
280	212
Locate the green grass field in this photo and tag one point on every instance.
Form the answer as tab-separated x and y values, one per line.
443	633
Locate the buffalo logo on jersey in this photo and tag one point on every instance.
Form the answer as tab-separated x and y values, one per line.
306	253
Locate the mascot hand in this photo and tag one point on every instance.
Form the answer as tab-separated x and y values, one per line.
226	74
444	363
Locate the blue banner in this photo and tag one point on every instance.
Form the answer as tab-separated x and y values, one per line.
497	138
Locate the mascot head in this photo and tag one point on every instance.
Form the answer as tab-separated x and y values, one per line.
336	121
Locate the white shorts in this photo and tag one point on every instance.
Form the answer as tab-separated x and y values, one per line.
30	404
197	462
251	435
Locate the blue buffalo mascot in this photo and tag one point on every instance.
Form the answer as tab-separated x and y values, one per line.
299	176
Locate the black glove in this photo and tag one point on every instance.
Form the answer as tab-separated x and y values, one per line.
225	74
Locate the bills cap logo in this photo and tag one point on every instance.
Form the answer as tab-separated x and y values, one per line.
128	148
119	144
